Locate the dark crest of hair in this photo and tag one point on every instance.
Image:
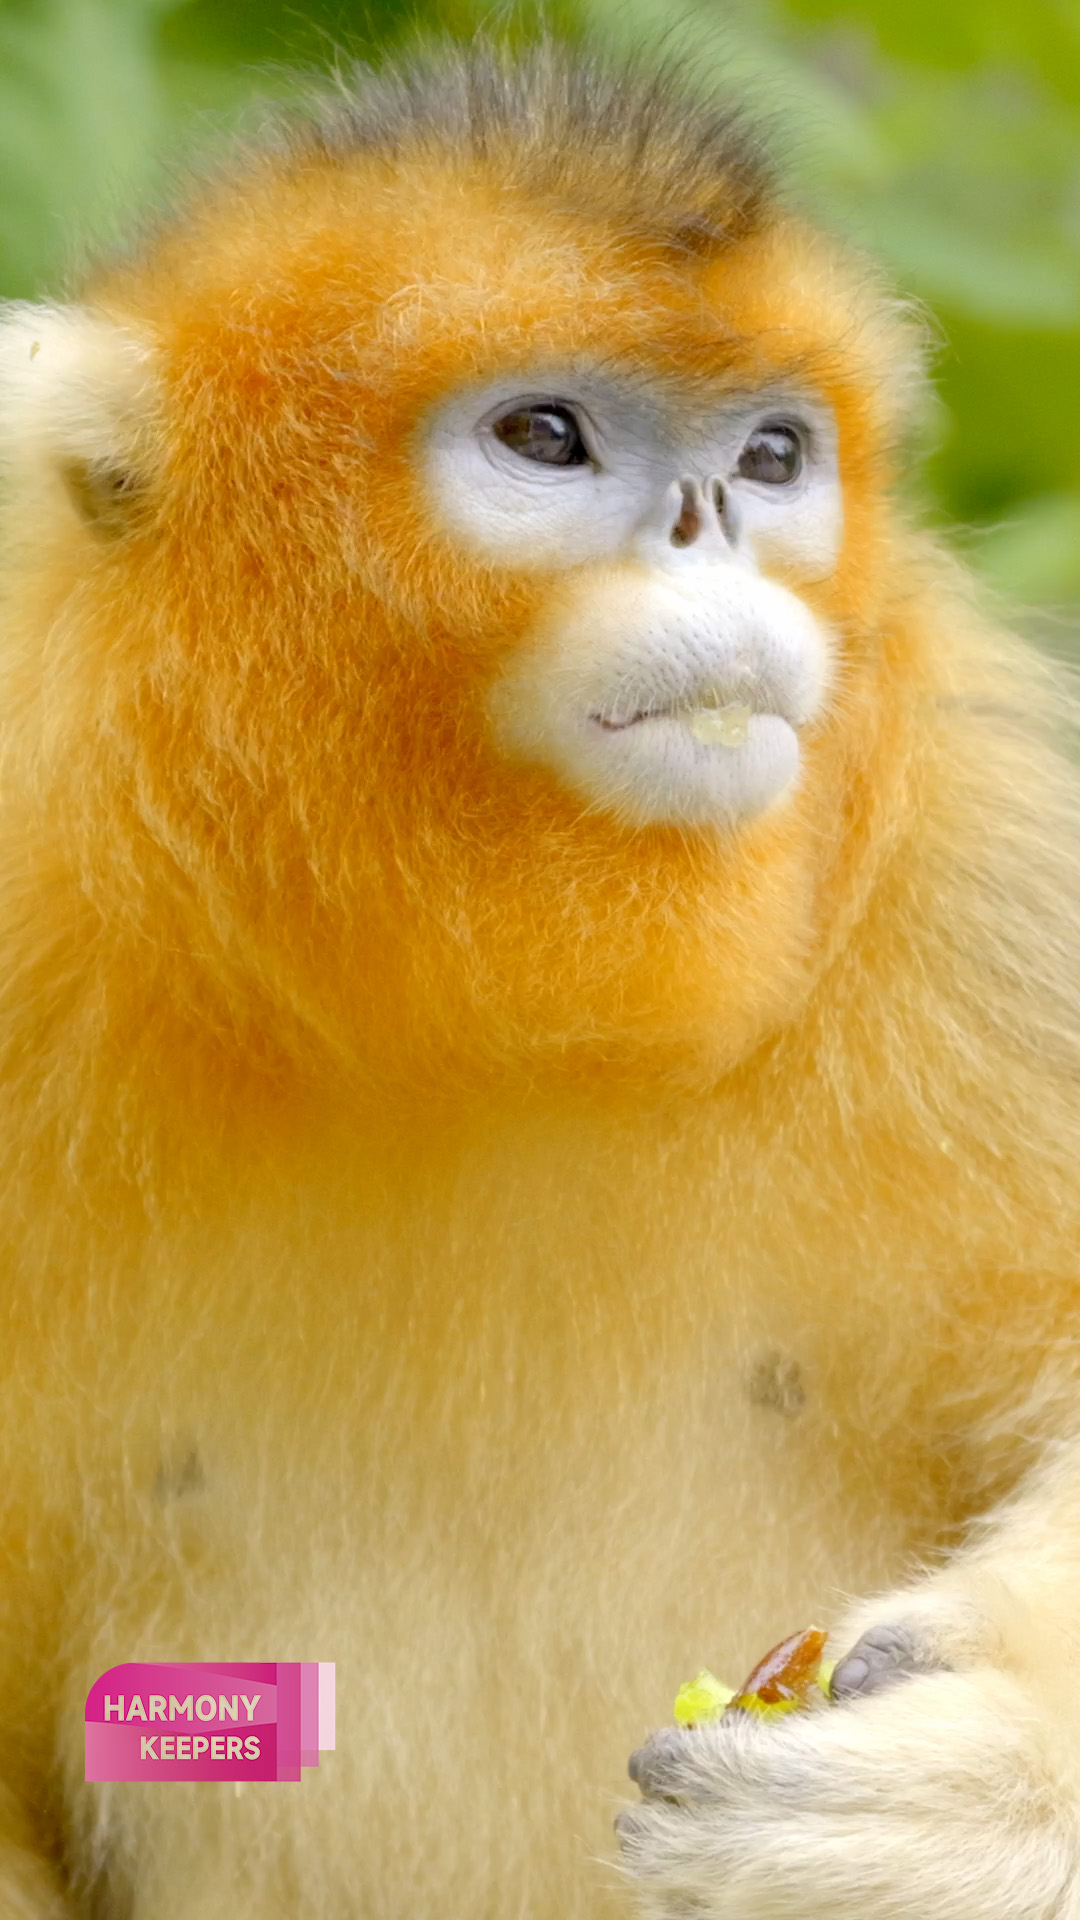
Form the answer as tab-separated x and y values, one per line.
640	146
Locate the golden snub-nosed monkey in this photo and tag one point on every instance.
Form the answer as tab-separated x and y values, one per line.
539	1046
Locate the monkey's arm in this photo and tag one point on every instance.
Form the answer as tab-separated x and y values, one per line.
954	1793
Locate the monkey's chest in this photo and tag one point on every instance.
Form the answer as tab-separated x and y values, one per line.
511	1504
516	1520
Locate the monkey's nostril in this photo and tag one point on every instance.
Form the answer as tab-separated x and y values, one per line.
688	525
717	491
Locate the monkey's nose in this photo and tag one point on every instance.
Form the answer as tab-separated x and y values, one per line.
692	518
698	511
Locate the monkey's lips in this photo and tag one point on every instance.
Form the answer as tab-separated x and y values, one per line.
713	722
713	760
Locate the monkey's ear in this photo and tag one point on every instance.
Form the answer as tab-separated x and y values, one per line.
78	402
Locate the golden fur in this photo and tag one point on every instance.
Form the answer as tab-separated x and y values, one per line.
446	1232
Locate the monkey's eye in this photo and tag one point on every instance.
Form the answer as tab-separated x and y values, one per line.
773	455
548	434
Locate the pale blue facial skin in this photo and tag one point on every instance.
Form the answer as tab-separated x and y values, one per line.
664	610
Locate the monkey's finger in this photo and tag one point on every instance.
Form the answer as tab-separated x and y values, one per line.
882	1656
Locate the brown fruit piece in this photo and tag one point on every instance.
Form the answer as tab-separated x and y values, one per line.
783	1681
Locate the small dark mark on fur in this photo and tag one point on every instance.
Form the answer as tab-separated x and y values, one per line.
775	1381
185	1476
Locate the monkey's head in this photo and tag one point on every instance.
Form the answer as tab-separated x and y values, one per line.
454	605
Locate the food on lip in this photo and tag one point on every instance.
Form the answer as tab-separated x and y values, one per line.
721	726
792	1676
716	724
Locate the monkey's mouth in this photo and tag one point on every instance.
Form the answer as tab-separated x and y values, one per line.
704	758
715	721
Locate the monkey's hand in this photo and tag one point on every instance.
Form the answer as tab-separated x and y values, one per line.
944	1784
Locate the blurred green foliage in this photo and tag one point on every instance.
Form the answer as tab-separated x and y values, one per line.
944	135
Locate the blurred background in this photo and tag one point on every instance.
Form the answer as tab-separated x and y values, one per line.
942	134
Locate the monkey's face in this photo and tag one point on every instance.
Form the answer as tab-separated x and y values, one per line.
672	676
471	609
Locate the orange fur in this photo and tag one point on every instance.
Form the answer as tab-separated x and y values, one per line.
443	1163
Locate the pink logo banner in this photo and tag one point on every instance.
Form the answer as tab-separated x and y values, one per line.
197	1720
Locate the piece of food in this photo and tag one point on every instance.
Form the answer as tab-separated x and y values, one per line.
721	726
702	1699
788	1679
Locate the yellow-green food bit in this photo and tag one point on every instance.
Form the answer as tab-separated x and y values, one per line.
721	726
702	1699
766	1709
824	1679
